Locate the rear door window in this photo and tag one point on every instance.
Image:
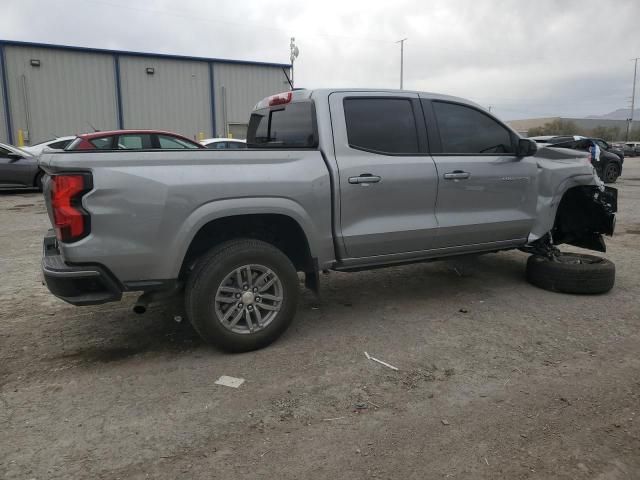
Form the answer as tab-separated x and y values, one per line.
167	141
134	141
288	126
236	145
381	125
101	143
61	145
465	130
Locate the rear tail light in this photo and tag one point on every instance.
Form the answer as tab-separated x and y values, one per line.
70	220
280	98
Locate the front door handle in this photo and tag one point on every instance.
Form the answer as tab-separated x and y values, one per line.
456	175
365	178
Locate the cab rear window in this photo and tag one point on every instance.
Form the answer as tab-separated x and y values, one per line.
283	126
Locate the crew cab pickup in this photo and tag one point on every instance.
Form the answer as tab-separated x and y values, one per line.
333	179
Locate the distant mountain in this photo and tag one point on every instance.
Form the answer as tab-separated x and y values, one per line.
620	114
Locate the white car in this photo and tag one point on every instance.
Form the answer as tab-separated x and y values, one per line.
224	143
59	143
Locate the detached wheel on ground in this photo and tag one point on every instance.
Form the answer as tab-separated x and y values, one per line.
242	295
571	273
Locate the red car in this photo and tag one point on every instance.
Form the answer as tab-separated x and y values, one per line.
131	140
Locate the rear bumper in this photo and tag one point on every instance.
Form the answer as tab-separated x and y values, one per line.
76	284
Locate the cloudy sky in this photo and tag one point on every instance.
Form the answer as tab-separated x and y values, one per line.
522	58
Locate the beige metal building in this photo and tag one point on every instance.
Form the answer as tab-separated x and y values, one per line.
53	90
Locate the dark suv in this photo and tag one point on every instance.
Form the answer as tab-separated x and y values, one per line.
609	167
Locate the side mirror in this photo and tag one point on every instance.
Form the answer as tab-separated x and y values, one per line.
14	157
526	147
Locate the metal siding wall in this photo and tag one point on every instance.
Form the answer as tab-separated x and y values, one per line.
67	91
176	97
4	134
245	85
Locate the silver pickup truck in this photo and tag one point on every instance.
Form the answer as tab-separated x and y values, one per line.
333	179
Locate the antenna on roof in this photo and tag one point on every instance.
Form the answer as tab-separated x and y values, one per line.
94	128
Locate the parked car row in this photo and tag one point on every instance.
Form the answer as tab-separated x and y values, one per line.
19	166
608	165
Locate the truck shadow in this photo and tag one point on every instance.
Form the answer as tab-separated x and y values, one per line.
156	334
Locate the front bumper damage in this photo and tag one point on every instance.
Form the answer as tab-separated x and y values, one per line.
584	215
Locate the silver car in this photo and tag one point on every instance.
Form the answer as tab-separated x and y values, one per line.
19	168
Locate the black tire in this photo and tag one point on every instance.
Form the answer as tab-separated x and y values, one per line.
572	273
208	276
38	180
611	172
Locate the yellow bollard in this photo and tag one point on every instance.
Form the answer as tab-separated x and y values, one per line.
20	137
200	136
230	135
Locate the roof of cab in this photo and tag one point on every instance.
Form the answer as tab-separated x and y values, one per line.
304	94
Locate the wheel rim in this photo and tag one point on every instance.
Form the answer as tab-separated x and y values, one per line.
611	172
248	299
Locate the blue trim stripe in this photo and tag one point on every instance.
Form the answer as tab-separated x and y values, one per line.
212	89
5	95
139	54
116	64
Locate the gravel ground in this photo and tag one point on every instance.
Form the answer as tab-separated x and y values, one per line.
496	379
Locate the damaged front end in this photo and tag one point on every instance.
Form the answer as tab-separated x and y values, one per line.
584	215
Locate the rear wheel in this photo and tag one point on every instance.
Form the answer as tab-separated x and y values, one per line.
38	180
571	273
611	172
242	295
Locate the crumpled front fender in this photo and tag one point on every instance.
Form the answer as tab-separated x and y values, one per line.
584	215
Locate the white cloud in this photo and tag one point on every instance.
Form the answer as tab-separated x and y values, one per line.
537	58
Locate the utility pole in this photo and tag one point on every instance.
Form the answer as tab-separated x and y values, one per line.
294	54
633	98
401	42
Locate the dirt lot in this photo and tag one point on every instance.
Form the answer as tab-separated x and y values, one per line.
497	379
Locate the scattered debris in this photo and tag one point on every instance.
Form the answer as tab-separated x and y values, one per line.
332	419
227	381
369	357
445	422
450	372
360	406
264	453
177	318
563	399
377	406
357	450
523	435
463	310
486	461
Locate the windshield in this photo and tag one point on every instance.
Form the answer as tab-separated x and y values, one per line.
17	150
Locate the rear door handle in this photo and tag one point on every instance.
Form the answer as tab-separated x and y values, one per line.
456	175
365	178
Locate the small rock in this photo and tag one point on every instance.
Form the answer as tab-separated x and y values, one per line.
430	395
358	451
463	310
523	435
445	422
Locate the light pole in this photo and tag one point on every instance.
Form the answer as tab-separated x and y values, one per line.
294	54
401	42
633	98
